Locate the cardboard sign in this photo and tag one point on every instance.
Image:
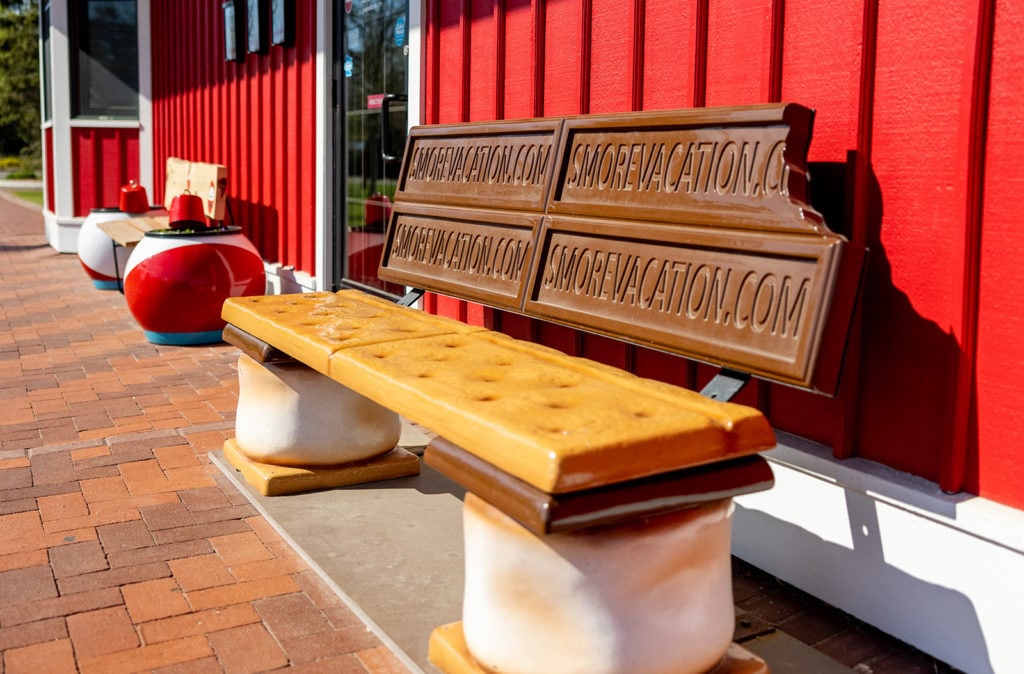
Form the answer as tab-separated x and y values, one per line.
209	181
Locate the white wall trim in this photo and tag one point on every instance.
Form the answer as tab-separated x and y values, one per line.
414	76
61	233
283	279
60	225
944	573
97	123
60	101
324	232
146	158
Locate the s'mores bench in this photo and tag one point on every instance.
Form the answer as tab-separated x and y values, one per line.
598	508
562	445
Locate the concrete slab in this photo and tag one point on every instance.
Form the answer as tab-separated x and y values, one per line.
786	655
394	548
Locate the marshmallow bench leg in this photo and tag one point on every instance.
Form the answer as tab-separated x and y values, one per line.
297	430
648	592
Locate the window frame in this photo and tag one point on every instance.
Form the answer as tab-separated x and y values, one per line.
80	31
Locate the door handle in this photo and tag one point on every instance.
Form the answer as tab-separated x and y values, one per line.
385	130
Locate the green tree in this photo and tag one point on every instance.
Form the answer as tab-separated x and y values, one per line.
19	75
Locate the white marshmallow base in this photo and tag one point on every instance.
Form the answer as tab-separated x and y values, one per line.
291	415
647	597
95	249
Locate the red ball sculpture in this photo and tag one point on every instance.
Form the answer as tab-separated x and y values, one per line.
177	280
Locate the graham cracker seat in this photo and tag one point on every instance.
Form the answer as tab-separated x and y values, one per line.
543	423
556	443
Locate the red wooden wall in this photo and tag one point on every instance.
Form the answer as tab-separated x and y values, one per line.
51	197
919	112
103	160
256	117
994	247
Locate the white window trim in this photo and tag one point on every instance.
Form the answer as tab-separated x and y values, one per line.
145	122
61	121
324	138
102	123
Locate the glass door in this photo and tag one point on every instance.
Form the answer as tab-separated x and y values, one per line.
371	85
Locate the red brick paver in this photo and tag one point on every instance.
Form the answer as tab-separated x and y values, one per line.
122	548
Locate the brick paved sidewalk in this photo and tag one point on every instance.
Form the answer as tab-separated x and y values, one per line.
121	547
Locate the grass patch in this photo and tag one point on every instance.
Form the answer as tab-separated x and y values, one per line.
31	196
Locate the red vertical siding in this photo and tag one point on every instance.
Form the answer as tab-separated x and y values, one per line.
669	55
523	39
523	96
666	42
913	133
255	117
564	49
913	322
448	50
51	198
485	78
995	463
613	75
566	89
821	67
483	68
102	160
738	53
737	59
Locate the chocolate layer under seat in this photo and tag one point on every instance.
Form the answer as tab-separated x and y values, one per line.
556	422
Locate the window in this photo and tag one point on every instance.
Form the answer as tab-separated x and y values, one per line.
105	59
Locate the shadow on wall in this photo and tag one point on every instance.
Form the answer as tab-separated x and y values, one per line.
907	387
908	374
260	223
900	375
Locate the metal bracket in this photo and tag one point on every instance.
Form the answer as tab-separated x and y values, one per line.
385	134
117	271
726	384
410	298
